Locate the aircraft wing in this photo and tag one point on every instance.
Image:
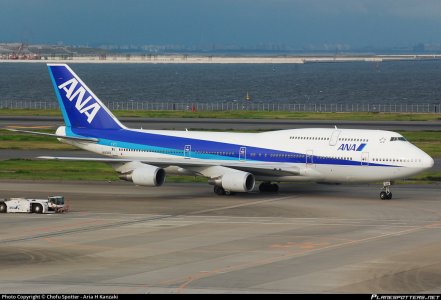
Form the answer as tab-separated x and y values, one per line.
256	168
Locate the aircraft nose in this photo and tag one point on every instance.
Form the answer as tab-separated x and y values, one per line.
428	162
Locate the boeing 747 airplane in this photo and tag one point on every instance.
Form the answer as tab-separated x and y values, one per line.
231	162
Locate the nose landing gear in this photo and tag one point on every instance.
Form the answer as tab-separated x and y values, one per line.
386	194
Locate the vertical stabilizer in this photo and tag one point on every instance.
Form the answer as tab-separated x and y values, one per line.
79	105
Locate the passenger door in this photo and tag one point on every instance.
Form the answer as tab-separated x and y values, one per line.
334	137
114	150
187	151
365	158
309	159
242	153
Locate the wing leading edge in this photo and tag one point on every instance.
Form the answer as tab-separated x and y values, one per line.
268	169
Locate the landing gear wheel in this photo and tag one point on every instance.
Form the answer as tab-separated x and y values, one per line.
386	194
3	208
219	190
266	187
38	209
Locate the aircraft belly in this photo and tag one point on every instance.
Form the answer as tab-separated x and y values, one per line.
342	174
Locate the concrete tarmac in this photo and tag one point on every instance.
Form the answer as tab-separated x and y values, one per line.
230	124
181	238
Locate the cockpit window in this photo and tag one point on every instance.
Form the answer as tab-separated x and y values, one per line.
398	138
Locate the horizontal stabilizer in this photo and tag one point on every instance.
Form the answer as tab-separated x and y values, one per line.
81	139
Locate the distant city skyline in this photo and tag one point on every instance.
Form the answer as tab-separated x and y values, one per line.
234	24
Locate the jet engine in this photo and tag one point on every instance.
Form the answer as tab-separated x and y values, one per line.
236	181
146	175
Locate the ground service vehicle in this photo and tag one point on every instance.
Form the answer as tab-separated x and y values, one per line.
52	204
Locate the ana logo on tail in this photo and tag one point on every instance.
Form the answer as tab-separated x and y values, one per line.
81	104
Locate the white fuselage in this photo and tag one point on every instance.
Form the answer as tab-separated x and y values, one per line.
321	155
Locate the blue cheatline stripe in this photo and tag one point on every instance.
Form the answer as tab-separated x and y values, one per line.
148	141
167	151
60	101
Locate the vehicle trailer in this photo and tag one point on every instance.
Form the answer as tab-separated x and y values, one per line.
52	204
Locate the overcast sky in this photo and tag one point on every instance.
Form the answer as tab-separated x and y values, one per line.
297	23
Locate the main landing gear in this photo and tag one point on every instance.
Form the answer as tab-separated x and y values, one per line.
268	187
218	190
386	194
264	187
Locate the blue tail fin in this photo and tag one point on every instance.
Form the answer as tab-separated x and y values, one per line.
79	105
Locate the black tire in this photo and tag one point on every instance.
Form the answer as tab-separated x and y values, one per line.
219	190
385	196
3	208
37	208
266	187
389	196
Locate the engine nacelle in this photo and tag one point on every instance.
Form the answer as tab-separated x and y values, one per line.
146	175
238	181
